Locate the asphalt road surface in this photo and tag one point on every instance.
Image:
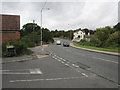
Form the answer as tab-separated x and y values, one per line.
65	67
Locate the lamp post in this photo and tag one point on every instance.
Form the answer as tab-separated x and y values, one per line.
41	24
41	21
70	32
33	29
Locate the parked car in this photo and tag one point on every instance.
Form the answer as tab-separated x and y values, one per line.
66	44
58	42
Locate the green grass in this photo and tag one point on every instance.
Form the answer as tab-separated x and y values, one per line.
110	49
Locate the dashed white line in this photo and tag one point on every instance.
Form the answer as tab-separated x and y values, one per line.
73	66
62	62
84	74
67	64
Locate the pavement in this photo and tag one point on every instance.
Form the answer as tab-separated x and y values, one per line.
39	52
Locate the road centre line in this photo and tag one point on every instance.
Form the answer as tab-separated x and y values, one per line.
73	66
48	79
105	60
84	74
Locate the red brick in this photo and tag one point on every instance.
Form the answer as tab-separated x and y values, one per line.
10	28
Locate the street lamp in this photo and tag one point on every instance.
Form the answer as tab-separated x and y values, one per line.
41	23
70	33
33	29
34	26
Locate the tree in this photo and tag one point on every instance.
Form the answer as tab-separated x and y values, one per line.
47	36
102	34
29	28
117	27
114	39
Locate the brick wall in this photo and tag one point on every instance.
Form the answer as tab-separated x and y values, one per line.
10	27
10	36
10	22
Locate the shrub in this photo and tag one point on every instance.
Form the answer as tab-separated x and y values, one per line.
113	40
19	48
27	41
95	42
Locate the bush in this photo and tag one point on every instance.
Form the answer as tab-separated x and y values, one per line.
113	40
27	41
19	48
83	42
95	42
27	52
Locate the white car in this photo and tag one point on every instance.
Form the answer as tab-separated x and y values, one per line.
58	42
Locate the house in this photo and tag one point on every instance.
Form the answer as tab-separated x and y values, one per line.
9	28
80	34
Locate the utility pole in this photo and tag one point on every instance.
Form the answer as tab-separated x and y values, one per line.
33	30
41	23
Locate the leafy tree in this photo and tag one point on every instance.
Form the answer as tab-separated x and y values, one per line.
113	40
102	34
117	27
29	28
47	36
95	42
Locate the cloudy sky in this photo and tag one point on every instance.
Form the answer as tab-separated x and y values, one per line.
65	15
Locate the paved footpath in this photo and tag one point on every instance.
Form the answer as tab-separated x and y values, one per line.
39	52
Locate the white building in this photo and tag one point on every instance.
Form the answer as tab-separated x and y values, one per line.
80	34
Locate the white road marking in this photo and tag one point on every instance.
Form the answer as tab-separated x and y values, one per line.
62	62
15	73
59	60
35	71
84	74
21	71
48	79
73	66
76	66
105	60
67	64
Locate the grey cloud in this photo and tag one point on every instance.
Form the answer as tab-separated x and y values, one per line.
77	14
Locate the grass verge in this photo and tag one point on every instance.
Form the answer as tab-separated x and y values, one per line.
110	49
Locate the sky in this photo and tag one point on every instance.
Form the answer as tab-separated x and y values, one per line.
64	14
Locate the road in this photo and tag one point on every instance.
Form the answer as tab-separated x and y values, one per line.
65	67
